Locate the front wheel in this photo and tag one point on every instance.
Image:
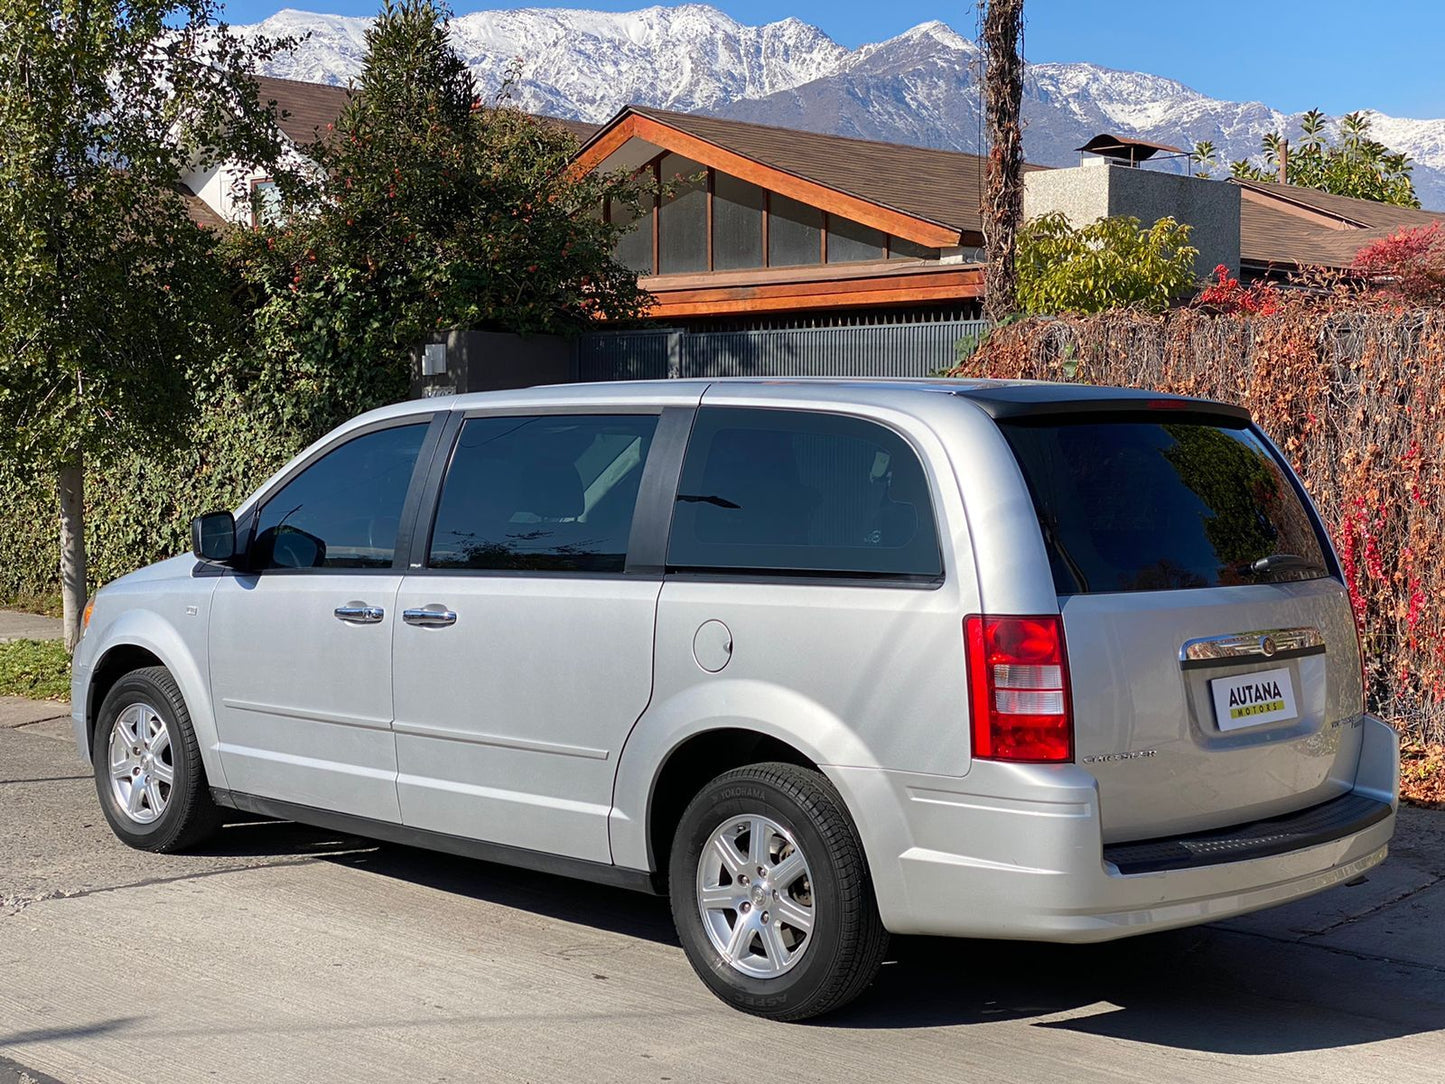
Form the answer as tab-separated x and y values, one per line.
771	894
148	770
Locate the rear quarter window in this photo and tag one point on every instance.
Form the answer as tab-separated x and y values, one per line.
802	492
1146	505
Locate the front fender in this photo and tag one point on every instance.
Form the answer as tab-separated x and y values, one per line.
771	710
154	633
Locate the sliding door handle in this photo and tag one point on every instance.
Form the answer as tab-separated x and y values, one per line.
359	613
431	617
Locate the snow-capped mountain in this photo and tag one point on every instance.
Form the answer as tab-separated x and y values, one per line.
586	64
920	87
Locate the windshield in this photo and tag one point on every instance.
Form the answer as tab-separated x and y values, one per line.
1143	505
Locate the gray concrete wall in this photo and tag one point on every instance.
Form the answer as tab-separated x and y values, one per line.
1081	192
1099	188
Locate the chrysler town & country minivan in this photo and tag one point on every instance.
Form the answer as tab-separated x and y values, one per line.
822	660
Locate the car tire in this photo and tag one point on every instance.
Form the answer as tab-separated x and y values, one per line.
148	771
771	894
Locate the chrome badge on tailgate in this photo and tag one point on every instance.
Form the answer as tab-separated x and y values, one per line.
1261	644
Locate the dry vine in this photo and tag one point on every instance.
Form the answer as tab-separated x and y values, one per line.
1354	392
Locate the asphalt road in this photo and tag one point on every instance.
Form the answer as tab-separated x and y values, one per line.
286	953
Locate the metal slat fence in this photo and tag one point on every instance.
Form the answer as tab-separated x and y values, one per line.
907	350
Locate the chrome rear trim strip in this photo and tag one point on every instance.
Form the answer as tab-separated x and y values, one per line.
1261	644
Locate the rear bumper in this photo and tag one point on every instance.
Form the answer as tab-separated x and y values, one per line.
1016	851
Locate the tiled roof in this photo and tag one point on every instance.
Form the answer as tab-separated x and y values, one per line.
1358	212
943	187
579	128
1279	225
200	211
309	107
305	108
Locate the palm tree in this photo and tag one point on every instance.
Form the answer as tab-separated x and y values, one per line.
1354	133
1203	158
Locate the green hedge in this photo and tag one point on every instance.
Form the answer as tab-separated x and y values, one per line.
29	543
139	507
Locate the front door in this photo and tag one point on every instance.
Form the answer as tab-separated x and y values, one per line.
523	649
301	640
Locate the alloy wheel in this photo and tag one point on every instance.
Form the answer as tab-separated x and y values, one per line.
755	895
142	763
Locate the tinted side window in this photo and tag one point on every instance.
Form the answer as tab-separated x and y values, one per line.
1152	506
795	491
343	510
553	493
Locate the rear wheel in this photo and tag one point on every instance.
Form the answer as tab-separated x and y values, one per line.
148	770
771	894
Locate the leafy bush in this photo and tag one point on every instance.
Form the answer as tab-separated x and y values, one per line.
142	503
1225	294
1107	264
1351	390
1409	264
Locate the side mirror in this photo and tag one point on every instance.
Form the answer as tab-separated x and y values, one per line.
213	537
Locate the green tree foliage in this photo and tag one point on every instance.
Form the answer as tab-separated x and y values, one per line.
428	210
1110	263
1351	164
107	289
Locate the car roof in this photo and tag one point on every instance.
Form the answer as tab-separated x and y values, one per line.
998	398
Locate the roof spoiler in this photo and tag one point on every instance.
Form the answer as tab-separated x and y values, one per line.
1039	401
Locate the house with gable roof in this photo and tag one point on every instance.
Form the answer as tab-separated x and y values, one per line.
770	228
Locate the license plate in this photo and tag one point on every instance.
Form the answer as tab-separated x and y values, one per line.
1266	696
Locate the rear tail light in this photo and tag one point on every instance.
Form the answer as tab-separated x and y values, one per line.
1018	682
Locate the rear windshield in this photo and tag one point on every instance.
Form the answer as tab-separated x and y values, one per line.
1156	506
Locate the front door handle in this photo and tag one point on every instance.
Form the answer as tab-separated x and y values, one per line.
429	617
359	613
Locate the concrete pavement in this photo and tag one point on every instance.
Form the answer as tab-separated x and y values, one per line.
21	626
17	711
286	953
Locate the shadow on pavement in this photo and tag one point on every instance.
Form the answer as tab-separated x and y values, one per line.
1205	989
599	906
51	1035
563	898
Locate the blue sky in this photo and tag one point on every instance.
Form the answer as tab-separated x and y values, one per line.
1292	54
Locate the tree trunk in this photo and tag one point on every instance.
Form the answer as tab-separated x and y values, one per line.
72	547
1003	201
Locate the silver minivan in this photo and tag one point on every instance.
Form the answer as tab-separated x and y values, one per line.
820	659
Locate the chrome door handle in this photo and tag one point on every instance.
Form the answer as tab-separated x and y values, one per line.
359	613
429	617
